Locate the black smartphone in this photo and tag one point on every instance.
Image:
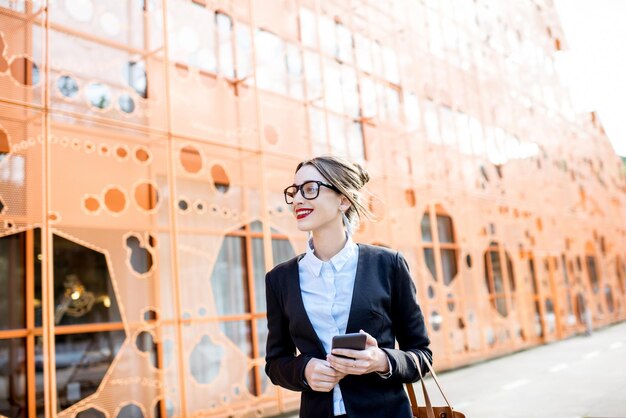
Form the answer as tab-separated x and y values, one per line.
355	341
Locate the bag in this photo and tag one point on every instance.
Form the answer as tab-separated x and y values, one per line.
429	411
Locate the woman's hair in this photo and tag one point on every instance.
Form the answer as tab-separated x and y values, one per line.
348	178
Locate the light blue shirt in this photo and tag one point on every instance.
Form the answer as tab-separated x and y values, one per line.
327	295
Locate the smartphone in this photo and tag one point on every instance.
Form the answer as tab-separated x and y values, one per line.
355	341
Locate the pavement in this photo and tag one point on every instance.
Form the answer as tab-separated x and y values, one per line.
574	378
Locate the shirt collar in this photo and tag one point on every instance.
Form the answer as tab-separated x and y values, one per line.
338	261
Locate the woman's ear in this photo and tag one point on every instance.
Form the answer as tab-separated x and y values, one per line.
345	204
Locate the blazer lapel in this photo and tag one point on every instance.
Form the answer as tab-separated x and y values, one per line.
359	304
301	311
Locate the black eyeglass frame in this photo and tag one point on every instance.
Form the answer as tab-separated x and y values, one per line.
299	189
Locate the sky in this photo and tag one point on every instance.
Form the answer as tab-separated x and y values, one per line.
594	63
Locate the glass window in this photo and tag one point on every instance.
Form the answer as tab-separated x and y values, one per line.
368	97
355	142
431	122
390	61
82	360
327	36
412	110
13	378
225	44
444	228
258	264
592	273
313	77
308	27
228	278
294	72
337	133
344	38
448	126
363	48
244	51
83	290
12	281
448	261
271	68
427	235
332	82
429	257
494	279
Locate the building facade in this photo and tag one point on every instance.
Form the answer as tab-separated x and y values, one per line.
145	144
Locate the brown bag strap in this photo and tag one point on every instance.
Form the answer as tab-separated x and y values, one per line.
413	399
432	372
430	413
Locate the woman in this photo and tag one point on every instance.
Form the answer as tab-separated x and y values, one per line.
340	287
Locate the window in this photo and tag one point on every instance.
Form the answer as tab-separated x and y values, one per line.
496	274
592	273
279	65
439	244
239	273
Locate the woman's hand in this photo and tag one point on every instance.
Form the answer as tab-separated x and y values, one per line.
372	359
320	376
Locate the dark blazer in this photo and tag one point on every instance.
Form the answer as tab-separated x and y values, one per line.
383	304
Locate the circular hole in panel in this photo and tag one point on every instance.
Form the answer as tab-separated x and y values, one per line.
491	337
220	178
126	103
121	152
89	147
92	204
468	261
140	258
431	292
98	95
450	302
115	200
145	342
183	205
67	86
202	311
150	315
142	155
131	410
146	196
91	413
461	323
191	159
200	206
435	320
104	150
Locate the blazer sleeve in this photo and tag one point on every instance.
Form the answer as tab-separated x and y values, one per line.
408	326
282	365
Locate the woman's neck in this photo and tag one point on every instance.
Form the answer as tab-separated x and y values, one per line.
328	243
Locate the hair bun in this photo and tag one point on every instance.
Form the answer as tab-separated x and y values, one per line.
363	174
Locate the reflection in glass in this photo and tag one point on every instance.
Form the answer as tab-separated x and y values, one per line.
83	291
448	260
81	363
592	273
12	281
308	28
239	333
126	103
229	278
67	86
135	75
205	360
225	47
429	256
98	95
444	228
426	230
12	378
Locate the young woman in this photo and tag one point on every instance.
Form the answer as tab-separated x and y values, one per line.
340	287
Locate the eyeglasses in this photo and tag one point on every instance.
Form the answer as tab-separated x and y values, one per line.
309	190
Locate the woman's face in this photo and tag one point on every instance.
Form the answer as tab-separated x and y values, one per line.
318	213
